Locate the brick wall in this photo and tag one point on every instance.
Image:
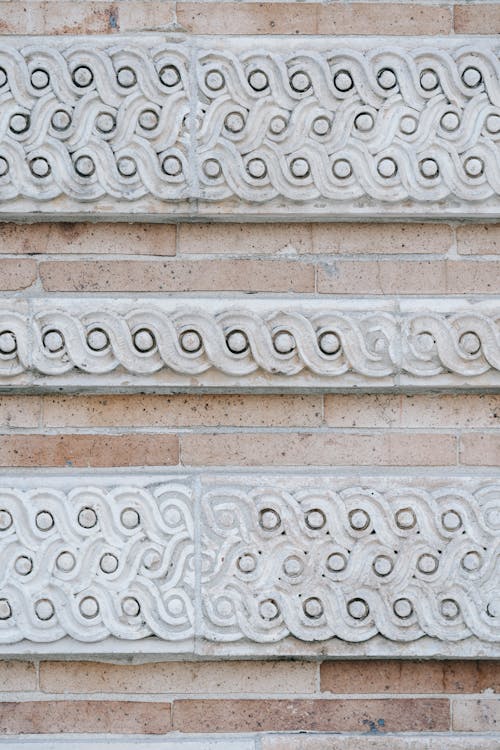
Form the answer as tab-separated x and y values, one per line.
240	698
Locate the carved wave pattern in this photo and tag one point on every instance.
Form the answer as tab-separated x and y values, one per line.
317	564
385	122
95	562
89	120
128	118
239	342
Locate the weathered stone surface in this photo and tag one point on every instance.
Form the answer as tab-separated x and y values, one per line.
256	343
261	561
148	124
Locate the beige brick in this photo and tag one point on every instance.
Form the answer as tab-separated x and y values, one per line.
245	239
177	276
480	450
20	411
313	18
16	274
317	449
88	450
481	715
140	410
478	239
145	15
383	18
408	277
179	677
54	717
58	17
17	676
361	715
418	411
389	239
86	239
399	677
477	18
248	18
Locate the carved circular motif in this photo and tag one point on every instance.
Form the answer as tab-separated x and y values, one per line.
293	566
108	563
23	565
237	341
190	341
85	166
127	166
336	562
403	608
358	609
315	518
53	341
321	125
130	518
269	519
258	80
329	343
61	120
387	78
342	168
126	77
283	342
406	518
449	609
5	519
313	607
470	343
172	166
8	343
300	81
408	124
19	123
44	520
429	79
472	77
364	122
359	519
87	518
429	168
148	119
387	167
278	125
169	75
471	561
39	167
65	561
234	122
451	520
256	168
131	607
343	81
450	121
82	76
427	563
44	609
246	563
97	339
214	80
105	122
474	166
89	607
144	340
5	609
268	609
383	565
39	78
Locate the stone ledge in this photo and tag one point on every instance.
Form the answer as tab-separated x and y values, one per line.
158	126
235	564
251	344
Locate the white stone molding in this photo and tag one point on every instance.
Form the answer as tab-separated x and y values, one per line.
203	563
173	125
247	343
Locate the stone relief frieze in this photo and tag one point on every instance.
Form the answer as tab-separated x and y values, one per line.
214	126
206	561
250	343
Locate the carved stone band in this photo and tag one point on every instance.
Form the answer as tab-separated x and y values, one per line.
212	126
245	344
251	561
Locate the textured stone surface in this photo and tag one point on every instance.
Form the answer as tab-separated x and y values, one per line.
311	557
145	125
250	343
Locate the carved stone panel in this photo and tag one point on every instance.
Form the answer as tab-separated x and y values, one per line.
172	125
247	344
255	563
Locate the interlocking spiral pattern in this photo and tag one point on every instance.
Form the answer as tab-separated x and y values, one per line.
341	125
93	118
342	122
317	563
93	562
221	558
324	342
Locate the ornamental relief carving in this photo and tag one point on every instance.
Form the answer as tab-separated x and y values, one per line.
253	558
250	343
151	123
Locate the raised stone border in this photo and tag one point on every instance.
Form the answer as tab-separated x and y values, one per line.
241	564
161	126
249	344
